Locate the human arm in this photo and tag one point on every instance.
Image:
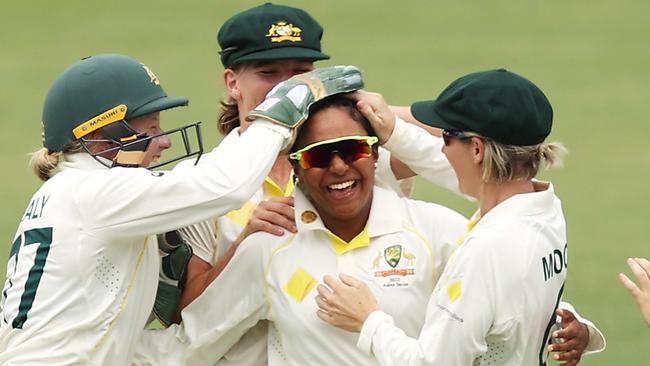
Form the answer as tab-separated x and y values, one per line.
214	321
405	114
220	182
454	330
641	292
415	147
273	216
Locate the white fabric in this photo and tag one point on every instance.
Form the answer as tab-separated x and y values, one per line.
253	287
493	304
422	152
211	239
99	276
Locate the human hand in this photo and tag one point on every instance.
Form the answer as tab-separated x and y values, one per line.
272	216
376	110
641	293
288	103
345	304
574	339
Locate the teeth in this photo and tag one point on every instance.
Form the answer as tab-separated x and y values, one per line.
342	185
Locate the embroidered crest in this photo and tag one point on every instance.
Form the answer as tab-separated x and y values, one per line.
282	31
393	254
153	78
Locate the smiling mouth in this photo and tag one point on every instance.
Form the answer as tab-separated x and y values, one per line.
343	190
340	186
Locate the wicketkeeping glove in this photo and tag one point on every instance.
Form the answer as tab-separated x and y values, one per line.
288	103
176	254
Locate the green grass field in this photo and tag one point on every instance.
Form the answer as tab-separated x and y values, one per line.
591	58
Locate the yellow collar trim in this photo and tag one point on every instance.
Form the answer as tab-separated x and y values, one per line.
341	246
470	226
275	190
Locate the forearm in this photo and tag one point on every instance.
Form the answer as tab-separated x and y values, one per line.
422	153
196	285
217	185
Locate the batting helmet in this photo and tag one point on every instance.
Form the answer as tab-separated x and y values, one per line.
102	93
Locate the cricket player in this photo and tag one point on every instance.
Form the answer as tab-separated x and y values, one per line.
345	223
83	268
260	47
495	302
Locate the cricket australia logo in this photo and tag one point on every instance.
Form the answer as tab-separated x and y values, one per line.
393	254
282	31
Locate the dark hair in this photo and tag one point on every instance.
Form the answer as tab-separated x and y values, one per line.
337	101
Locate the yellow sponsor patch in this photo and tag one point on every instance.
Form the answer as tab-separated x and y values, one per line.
454	291
300	284
112	115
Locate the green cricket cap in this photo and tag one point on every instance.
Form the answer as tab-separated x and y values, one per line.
498	104
270	32
106	88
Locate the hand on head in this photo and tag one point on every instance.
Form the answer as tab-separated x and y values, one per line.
376	110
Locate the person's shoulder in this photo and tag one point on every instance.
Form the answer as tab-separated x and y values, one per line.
263	244
433	212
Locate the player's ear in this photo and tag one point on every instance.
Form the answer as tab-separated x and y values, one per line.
478	149
230	80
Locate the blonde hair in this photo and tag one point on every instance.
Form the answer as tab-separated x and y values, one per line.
45	162
503	162
228	118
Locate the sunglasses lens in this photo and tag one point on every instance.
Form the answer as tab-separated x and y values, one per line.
349	150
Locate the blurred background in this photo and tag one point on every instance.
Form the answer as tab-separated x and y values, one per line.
590	58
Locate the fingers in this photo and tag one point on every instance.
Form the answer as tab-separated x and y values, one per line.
376	110
566	316
567	345
350	281
333	283
273	216
631	286
323	304
570	358
325	316
637	265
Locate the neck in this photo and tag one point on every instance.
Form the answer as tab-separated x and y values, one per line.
491	194
346	230
281	171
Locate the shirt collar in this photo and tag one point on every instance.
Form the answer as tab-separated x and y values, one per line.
383	219
274	189
524	204
82	161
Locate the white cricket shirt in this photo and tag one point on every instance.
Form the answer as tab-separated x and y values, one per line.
495	302
83	269
400	255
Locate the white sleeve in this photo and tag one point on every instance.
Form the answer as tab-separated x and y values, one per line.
455	328
233	303
422	152
128	202
597	341
385	178
202	237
